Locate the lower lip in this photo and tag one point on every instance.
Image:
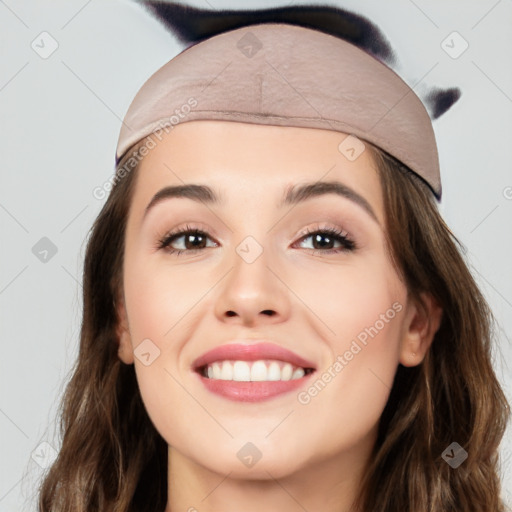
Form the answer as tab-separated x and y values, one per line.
252	391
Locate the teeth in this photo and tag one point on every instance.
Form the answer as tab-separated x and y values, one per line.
227	371
298	373
287	371
255	371
258	371
241	371
216	370
274	372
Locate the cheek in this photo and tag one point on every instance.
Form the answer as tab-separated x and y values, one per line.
160	303
160	297
351	392
362	313
354	301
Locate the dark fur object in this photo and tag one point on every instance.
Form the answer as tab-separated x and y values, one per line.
439	100
192	25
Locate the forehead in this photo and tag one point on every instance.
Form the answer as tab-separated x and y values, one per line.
252	162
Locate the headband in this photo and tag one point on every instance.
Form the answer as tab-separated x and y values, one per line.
287	75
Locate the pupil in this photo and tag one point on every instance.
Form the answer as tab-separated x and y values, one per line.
193	237
319	237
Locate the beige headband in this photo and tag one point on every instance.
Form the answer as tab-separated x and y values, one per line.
286	75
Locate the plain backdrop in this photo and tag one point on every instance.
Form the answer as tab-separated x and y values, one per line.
60	119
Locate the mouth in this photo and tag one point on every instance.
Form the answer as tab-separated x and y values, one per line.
253	372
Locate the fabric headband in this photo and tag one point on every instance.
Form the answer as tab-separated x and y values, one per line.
287	75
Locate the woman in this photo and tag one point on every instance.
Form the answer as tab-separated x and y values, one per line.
276	316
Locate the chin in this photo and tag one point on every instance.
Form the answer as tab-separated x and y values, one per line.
250	457
274	465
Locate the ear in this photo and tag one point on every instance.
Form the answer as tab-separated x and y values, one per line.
125	348
423	319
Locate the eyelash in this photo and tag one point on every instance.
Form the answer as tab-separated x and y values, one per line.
339	235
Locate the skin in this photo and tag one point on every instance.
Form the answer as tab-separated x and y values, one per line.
314	454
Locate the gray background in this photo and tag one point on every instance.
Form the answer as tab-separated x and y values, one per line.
61	117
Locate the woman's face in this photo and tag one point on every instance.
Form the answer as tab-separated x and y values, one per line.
253	274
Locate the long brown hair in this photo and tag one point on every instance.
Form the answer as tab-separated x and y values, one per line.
454	395
113	459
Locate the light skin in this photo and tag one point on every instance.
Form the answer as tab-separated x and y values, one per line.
299	294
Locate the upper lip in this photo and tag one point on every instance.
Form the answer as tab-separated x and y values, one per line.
240	351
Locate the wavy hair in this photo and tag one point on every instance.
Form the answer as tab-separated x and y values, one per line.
113	459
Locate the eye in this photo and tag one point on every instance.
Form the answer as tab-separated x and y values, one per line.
193	240
324	238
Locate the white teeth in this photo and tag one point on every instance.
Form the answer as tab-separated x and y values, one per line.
216	370
274	371
286	372
259	371
255	371
227	371
298	373
241	371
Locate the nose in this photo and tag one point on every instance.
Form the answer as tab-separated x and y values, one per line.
253	294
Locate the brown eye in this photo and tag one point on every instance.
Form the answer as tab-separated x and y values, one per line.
323	240
194	240
187	240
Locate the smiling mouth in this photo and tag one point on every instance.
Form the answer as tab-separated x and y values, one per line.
252	372
263	370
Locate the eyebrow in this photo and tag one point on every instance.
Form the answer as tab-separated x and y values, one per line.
293	195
